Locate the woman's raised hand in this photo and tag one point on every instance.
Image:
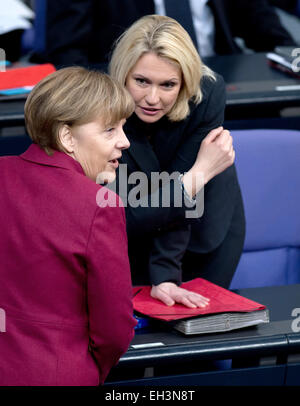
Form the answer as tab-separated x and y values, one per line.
215	154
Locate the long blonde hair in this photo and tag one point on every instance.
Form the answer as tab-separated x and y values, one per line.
166	38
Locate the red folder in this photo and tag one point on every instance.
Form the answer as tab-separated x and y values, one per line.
221	301
26	76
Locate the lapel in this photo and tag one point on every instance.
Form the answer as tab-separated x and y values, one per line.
166	141
58	159
148	158
141	151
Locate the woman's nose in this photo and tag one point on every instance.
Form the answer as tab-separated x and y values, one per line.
152	97
123	142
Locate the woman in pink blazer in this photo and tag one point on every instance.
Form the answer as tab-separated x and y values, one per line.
65	289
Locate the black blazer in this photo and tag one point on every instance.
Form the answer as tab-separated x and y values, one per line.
83	31
159	236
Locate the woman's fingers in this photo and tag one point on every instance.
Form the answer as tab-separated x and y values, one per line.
224	140
213	134
220	138
215	153
192	300
169	293
158	293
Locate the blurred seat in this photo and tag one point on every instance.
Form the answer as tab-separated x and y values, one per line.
27	41
40	7
33	39
268	166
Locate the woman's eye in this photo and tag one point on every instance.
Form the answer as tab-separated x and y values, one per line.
110	129
140	81
169	85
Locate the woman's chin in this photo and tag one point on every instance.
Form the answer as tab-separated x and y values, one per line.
105	177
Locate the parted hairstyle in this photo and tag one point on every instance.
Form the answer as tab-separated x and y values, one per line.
166	38
73	96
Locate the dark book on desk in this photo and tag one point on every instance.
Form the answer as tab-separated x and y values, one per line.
285	59
226	311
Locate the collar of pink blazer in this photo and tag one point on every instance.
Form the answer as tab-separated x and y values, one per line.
58	159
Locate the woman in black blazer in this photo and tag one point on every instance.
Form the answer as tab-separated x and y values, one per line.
176	130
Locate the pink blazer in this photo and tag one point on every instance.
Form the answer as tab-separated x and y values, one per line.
65	286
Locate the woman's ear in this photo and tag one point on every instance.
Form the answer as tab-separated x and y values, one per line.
66	138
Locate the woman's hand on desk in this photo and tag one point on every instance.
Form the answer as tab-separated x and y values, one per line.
215	154
169	293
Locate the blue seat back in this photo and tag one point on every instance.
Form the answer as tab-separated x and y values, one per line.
268	166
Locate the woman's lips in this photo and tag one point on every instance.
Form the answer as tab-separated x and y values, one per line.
114	163
149	111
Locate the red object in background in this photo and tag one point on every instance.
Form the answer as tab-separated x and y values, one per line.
25	76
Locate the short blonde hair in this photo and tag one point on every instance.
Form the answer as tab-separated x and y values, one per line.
73	96
166	38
